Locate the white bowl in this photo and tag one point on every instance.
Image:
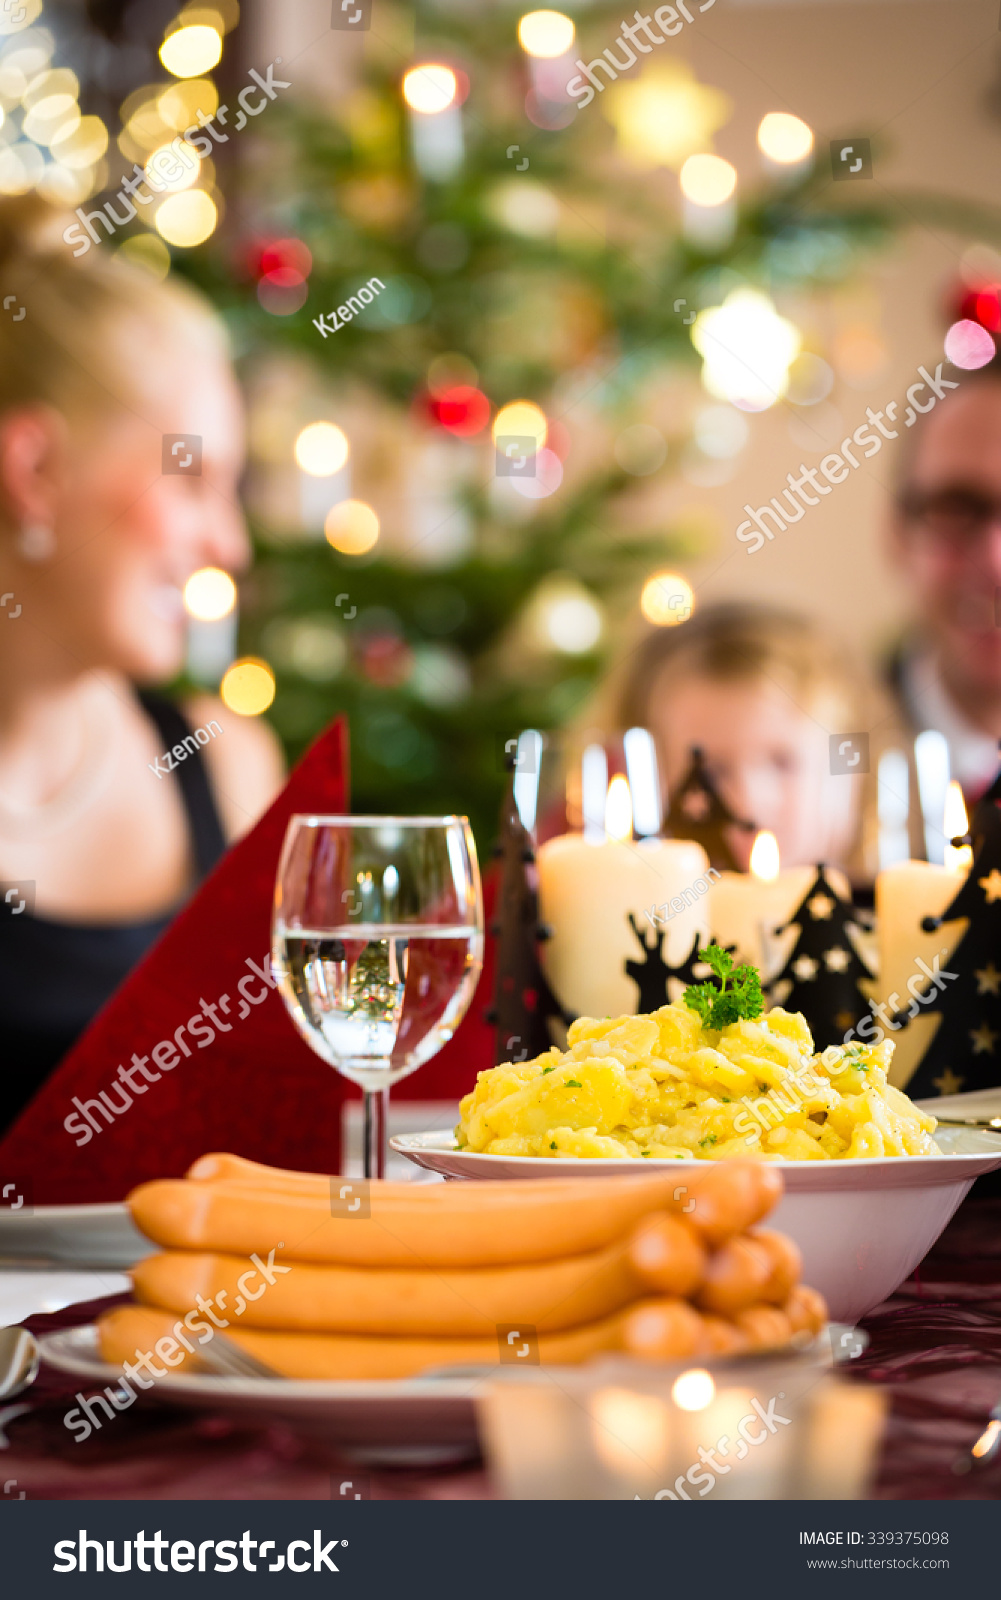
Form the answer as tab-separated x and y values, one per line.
862	1226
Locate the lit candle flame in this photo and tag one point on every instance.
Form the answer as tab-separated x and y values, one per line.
987	1438
693	1390
619	810
955	822
765	863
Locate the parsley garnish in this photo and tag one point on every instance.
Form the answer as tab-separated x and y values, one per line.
709	1139
547	1069
573	1083
718	1007
553	1145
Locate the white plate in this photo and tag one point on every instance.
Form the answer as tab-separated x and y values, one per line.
406	1417
87	1236
862	1226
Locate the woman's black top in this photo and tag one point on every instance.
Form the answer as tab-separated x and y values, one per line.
55	976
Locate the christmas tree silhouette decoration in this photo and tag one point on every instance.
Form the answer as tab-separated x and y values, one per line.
652	973
824	970
523	1001
965	1052
697	811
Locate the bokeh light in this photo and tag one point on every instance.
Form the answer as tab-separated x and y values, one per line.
148	251
209	594
186	219
321	449
521	419
430	88
747	349
179	104
707	180
547	34
693	1390
191	51
968	345
170	172
351	527
248	687
667	599
784	138
462	410
81	145
572	623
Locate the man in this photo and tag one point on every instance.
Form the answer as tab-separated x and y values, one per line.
946	541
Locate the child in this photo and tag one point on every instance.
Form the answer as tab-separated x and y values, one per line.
760	691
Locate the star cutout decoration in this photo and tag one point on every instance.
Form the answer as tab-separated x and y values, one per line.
806	969
988	979
991	885
984	1040
664	116
820	907
837	960
948	1083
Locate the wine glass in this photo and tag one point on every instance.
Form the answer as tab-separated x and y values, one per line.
377	943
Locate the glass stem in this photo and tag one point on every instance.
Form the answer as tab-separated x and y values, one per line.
376	1118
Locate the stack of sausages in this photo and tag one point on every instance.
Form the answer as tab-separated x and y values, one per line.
319	1278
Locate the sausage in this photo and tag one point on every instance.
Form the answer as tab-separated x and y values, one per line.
663	1330
666	1255
787	1264
409	1225
449	1302
735	1276
129	1332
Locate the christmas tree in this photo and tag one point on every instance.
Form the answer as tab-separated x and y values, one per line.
697	811
823	973
965	1052
542	266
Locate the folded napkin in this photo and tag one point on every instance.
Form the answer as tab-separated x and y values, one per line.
195	1051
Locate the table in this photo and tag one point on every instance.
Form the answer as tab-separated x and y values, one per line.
935	1346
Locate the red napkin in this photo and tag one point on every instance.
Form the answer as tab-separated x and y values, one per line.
226	1068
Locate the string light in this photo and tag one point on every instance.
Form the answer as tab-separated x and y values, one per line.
191	51
351	527
784	138
667	599
430	88
321	449
248	687
209	594
707	180
186	219
546	34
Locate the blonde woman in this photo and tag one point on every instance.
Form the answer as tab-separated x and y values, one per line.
760	691
96	543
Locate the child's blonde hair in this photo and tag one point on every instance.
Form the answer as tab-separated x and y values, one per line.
737	643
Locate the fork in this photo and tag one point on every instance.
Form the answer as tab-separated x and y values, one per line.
225	1358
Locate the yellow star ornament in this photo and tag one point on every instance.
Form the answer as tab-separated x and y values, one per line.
664	116
991	885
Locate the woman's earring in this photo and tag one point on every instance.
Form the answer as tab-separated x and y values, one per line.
36	541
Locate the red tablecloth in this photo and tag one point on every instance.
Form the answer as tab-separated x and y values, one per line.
936	1346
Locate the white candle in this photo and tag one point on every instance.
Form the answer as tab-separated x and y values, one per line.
905	895
590	885
746	908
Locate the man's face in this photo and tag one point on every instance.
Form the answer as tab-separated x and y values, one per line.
947	539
